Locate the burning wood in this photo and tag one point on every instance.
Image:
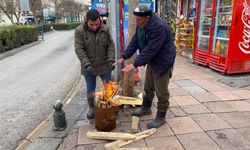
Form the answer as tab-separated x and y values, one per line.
103	98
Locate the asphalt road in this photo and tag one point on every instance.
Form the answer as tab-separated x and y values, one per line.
31	81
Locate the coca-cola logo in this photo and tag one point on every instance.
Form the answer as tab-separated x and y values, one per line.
245	44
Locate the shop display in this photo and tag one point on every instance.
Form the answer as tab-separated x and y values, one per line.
186	36
222	37
205	24
173	12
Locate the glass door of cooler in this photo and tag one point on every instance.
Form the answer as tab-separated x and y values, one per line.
222	27
205	24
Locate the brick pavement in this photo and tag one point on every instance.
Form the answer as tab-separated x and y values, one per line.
204	114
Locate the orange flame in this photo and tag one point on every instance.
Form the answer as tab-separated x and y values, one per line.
109	90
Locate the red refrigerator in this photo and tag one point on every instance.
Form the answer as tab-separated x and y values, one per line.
223	35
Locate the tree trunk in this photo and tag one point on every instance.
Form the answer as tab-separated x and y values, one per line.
128	83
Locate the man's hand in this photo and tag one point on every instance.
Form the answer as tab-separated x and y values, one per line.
119	61
88	70
111	66
128	68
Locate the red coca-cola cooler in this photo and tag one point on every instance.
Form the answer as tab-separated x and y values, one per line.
223	35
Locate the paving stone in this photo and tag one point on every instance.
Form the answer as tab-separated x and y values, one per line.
239	105
163	143
177	111
44	144
70	141
245	94
229	139
185	83
226	95
125	114
210	122
209	85
197	141
194	89
205	97
195	109
236	119
185	100
178	77
152	116
218	107
99	146
82	137
161	131
246	114
245	132
177	92
183	125
49	132
173	85
124	127
137	144
169	114
172	103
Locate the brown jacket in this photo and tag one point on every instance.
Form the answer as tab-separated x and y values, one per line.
95	49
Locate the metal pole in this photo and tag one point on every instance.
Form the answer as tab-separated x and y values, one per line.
115	28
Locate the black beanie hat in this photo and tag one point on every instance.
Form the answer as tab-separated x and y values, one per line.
142	10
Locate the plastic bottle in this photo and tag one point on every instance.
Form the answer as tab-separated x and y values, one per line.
223	47
228	33
225	2
218	47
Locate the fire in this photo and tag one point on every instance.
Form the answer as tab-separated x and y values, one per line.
109	90
105	96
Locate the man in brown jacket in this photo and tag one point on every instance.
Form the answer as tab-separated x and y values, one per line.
96	51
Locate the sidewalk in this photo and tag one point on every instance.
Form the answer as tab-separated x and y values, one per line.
204	114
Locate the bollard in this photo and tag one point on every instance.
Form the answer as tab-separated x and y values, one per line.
59	117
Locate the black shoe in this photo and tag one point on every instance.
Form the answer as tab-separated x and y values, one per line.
156	123
91	113
142	112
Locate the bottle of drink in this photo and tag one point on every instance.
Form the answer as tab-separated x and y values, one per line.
228	32
225	2
218	47
223	47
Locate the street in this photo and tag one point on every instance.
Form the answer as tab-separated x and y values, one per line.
31	81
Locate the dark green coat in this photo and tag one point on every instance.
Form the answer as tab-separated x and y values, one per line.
95	49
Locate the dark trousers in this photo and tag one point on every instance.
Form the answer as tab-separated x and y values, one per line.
157	84
91	81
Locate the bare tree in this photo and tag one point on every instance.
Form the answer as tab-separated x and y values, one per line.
12	9
36	7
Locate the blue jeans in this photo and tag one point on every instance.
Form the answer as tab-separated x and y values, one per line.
91	81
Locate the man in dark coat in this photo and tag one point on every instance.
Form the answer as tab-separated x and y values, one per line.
157	50
96	51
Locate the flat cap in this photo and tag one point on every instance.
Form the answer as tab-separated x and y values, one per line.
142	10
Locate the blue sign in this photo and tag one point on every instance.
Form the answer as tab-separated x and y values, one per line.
100	7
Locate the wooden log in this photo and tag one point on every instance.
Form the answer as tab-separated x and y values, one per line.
128	98
124	100
110	135
131	102
135	124
120	143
